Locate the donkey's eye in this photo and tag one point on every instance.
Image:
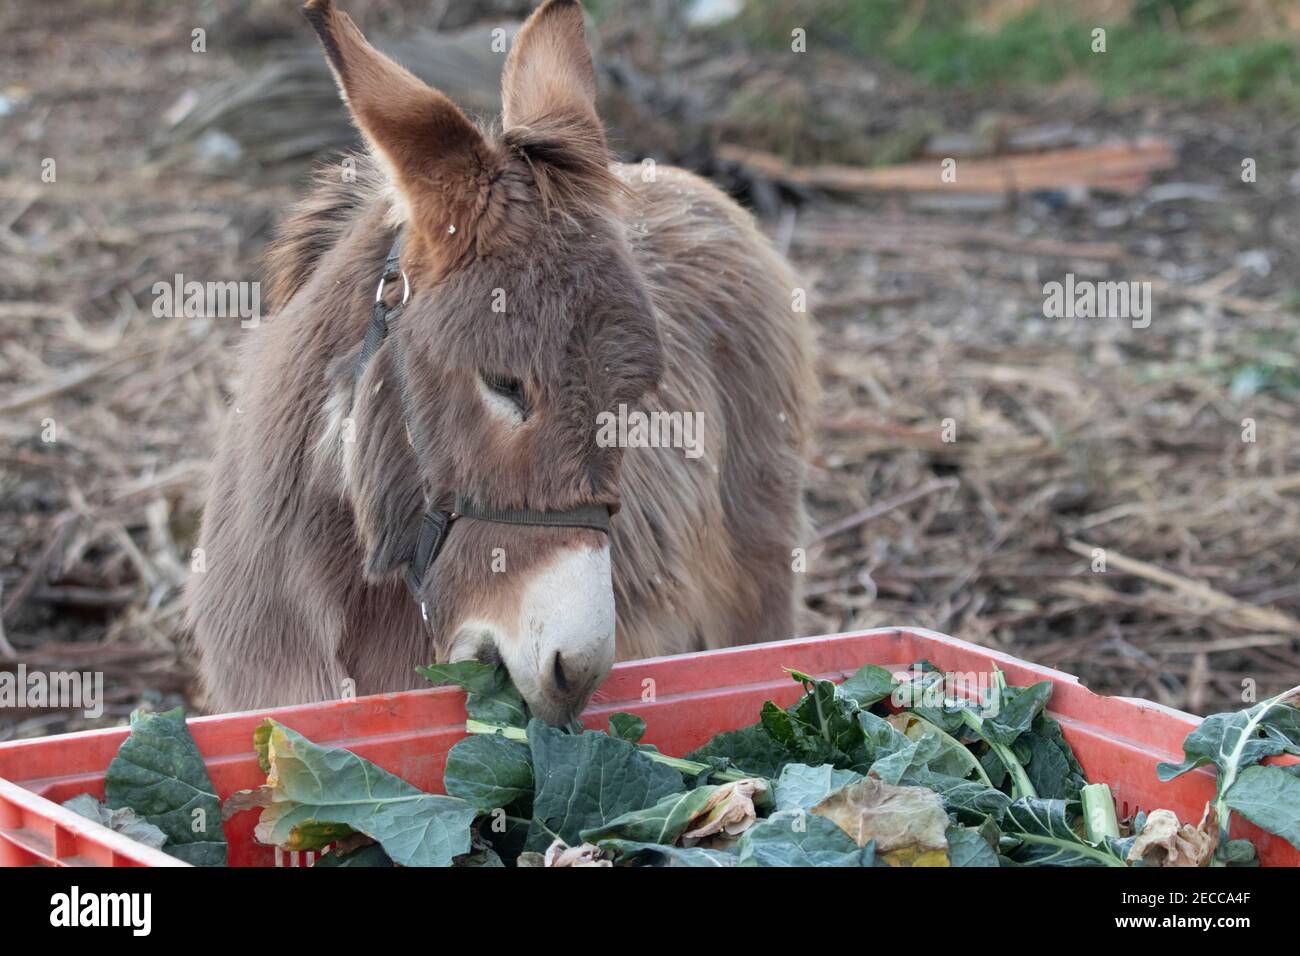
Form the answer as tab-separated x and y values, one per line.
508	388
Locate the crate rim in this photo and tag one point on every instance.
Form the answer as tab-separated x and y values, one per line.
128	849
714	654
75	825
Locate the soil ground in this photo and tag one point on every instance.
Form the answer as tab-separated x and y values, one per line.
973	455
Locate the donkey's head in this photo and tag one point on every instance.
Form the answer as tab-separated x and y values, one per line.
526	319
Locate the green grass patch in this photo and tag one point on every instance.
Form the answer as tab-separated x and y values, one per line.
939	43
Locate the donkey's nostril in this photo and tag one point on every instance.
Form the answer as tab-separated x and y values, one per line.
561	681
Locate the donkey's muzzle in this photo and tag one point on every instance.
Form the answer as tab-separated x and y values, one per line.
562	645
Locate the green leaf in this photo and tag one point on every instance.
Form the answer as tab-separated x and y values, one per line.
948	719
1237	853
969	799
912	756
370	855
994	768
780	726
966	847
880	737
750	749
489	772
925	683
123	820
1052	767
159	773
631	853
801	787
506	835
1009	713
586	780
1282	723
894	755
869	685
1268	797
825	720
319	794
954	759
627	727
662	823
1234	743
481	855
1224	740
820	728
1047	838
490	696
795	838
1016	713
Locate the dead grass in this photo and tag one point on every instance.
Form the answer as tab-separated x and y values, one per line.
1069	437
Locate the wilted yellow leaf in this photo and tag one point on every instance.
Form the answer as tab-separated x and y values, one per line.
1165	842
916	856
728	812
895	817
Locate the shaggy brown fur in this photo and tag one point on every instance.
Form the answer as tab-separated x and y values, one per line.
660	294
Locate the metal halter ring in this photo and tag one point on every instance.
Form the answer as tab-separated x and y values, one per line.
406	287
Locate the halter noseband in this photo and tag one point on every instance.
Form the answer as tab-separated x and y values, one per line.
436	523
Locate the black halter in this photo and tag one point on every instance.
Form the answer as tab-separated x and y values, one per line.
436	523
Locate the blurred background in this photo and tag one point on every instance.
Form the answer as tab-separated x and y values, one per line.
973	454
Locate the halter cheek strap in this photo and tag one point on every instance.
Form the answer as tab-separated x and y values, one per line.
436	523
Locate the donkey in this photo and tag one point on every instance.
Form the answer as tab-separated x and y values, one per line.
451	444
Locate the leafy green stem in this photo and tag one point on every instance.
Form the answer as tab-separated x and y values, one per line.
1232	763
1082	849
1021	786
1099	812
1020	783
957	747
510	733
681	765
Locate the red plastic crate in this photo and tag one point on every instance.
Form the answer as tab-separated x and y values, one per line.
684	700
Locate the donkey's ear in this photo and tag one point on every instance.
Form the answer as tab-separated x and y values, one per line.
548	79
431	149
